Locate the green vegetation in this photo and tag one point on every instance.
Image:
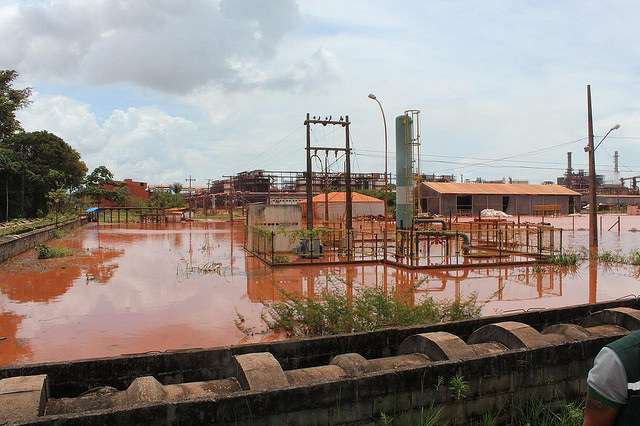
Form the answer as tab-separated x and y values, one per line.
281	259
606	256
166	199
18	226
11	100
634	257
458	387
225	216
99	185
46	252
533	411
530	411
335	311
564	259
41	162
379	194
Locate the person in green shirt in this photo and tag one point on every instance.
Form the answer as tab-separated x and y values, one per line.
613	384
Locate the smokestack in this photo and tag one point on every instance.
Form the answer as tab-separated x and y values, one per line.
615	162
569	169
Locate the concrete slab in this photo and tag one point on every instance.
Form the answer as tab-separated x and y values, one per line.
23	397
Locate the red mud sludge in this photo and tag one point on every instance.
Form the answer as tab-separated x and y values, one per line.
156	287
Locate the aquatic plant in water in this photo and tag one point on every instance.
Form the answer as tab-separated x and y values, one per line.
334	311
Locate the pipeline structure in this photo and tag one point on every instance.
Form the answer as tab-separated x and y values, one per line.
346	379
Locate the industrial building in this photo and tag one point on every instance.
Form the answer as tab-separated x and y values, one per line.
469	199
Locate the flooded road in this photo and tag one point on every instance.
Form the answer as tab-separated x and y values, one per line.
138	288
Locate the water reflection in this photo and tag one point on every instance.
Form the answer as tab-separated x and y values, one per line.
12	349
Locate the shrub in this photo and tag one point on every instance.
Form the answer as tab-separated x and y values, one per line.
332	311
46	252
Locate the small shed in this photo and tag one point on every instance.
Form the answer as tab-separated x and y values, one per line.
469	199
361	205
178	214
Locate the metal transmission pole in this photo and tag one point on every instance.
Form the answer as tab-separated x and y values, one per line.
309	177
344	122
190	180
348	172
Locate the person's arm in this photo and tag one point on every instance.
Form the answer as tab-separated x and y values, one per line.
596	413
606	389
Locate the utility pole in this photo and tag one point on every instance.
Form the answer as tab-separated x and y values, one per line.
309	177
593	205
206	208
190	179
344	122
347	170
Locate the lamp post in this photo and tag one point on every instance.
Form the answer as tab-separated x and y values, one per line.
593	204
384	121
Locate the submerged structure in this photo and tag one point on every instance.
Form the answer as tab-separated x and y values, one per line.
416	239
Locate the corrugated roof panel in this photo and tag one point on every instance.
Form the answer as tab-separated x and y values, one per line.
498	189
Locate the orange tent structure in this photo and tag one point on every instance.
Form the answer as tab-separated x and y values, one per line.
362	205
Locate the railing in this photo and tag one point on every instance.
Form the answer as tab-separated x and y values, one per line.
493	242
477	243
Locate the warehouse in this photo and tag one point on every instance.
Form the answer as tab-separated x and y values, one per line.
469	199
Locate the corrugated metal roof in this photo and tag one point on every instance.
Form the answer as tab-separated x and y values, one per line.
341	197
498	189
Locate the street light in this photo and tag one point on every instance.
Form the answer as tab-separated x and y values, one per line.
384	121
593	204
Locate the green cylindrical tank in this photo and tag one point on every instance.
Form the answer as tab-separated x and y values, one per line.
404	212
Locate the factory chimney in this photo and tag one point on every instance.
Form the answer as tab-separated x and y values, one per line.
615	162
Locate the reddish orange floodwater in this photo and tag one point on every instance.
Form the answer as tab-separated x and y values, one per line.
137	288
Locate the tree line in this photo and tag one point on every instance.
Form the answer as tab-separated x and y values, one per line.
39	171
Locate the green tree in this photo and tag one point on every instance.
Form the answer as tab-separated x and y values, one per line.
43	162
7	167
176	187
379	194
11	100
100	185
166	199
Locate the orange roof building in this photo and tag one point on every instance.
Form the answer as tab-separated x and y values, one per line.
469	199
361	205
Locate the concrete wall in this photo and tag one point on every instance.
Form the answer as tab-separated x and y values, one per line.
273	217
71	378
503	362
13	245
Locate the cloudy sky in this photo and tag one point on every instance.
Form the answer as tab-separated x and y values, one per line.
158	90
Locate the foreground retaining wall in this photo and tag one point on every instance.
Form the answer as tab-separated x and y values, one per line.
71	378
503	362
14	245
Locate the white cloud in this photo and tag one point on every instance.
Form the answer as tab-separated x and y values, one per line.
165	45
491	80
140	143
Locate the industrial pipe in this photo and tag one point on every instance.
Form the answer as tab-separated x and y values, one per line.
465	238
442	221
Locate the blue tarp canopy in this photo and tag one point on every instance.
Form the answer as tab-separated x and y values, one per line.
92	209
